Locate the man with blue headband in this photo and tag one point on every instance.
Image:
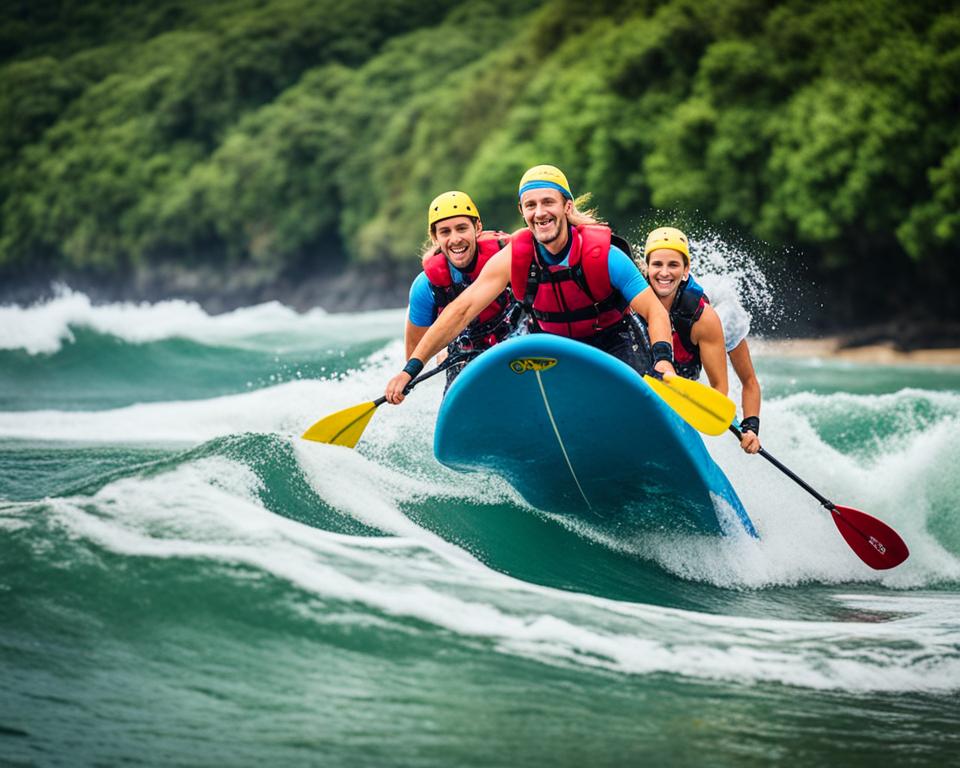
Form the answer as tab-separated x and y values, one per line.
571	277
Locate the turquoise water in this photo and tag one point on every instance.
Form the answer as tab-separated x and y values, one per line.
185	582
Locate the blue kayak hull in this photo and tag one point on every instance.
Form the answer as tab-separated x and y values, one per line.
578	432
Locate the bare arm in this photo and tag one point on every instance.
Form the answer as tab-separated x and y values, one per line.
411	336
648	306
707	334
455	317
743	367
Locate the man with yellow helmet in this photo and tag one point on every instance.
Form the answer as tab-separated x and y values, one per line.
565	270
458	251
699	342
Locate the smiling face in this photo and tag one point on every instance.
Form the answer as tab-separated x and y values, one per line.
456	237
665	269
545	211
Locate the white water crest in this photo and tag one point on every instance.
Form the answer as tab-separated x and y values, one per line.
904	485
45	327
286	409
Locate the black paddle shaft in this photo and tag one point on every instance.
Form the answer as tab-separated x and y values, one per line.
451	360
798	480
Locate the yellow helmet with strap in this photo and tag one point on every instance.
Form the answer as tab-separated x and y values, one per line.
667	237
450	204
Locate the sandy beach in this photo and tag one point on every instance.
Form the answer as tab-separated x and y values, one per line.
831	347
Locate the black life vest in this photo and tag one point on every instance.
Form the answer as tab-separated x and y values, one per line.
686	309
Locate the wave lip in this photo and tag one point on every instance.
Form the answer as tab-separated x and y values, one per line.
43	328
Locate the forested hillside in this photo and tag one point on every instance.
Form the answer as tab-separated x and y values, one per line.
281	133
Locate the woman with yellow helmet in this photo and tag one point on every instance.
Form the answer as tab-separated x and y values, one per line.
699	341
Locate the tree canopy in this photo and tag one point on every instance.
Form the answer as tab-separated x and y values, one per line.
285	132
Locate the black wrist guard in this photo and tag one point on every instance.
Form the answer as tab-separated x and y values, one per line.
413	367
751	424
662	350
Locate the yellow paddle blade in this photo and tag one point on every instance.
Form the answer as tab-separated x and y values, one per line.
343	427
702	407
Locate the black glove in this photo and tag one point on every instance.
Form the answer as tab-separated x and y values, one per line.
751	424
662	350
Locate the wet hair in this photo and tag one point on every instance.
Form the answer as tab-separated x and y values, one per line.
585	216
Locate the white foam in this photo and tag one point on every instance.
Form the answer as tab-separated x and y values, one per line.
901	485
284	408
209	510
44	327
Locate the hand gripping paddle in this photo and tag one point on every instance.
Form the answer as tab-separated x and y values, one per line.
346	427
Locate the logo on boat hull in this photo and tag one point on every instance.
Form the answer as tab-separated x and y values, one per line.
524	364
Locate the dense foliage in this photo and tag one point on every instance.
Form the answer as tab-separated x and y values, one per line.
280	132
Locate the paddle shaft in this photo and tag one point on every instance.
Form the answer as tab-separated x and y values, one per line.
789	473
451	360
873	541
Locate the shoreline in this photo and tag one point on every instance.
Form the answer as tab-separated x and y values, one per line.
833	348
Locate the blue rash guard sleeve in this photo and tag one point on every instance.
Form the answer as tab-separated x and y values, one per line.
423	309
625	275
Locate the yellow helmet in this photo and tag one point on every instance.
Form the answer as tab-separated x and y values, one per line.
450	204
667	237
545	176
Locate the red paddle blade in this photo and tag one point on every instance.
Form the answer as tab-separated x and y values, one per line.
875	542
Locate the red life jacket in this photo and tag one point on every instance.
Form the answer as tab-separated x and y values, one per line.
491	325
576	300
686	309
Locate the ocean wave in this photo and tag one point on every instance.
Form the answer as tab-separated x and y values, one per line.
287	408
900	474
45	327
210	511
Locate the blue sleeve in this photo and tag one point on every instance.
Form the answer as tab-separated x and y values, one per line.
625	275
423	309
